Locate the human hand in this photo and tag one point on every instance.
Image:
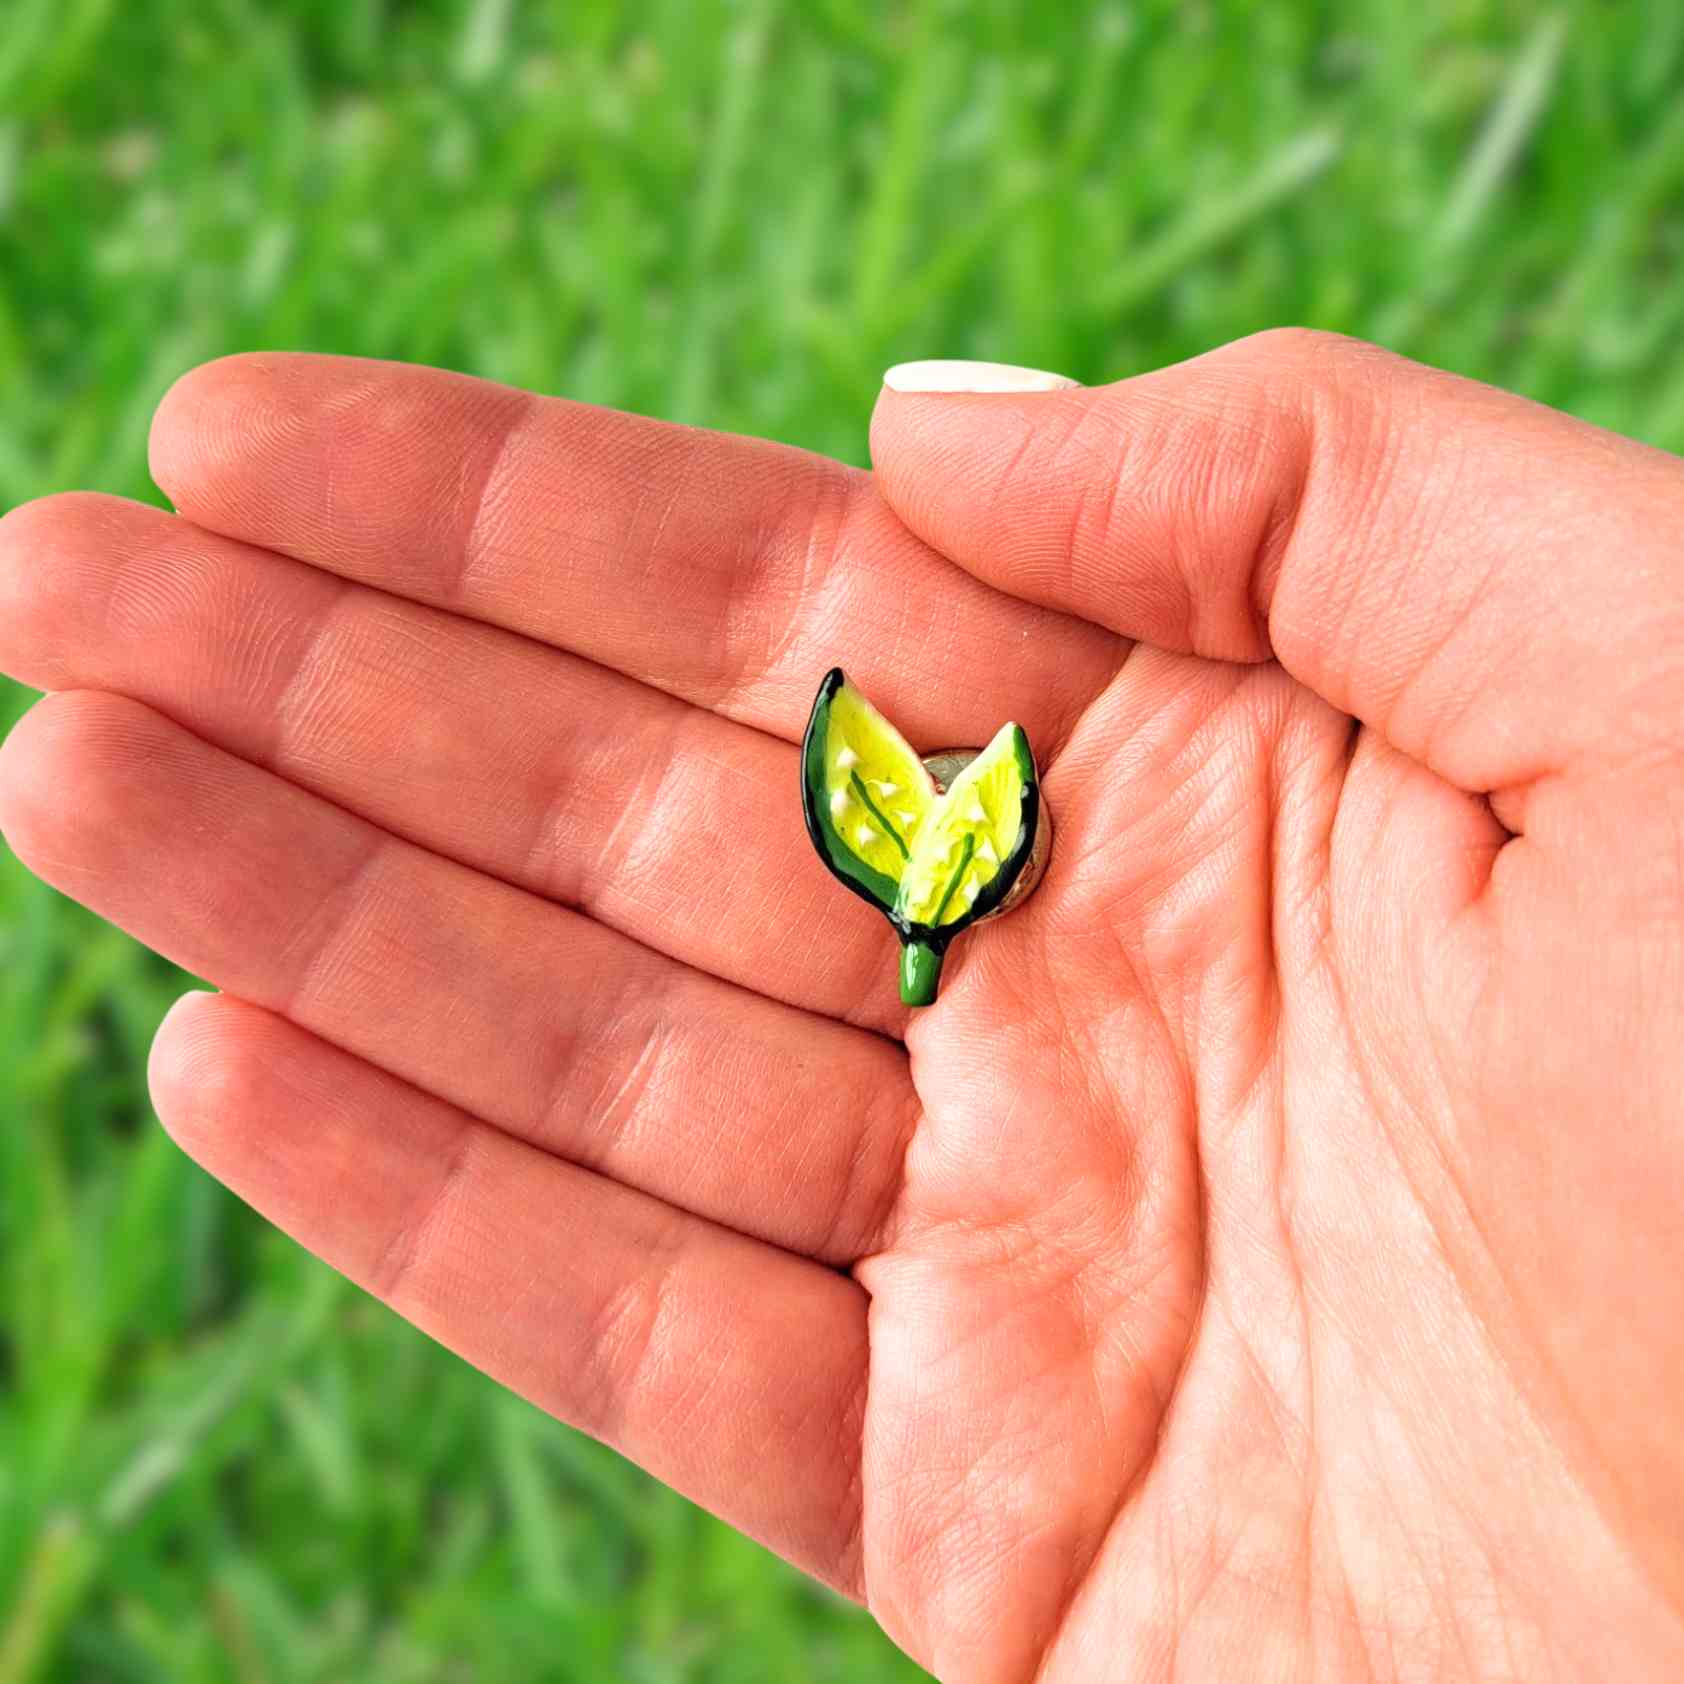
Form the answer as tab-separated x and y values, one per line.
1265	1260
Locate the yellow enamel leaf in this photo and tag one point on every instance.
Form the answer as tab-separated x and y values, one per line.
876	792
970	835
932	862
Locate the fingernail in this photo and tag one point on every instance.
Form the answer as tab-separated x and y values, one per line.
952	376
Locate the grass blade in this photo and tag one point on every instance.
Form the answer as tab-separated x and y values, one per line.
1208	226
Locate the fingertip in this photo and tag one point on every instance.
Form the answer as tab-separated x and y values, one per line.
201	420
182	1062
298	451
38	772
29	534
219	1069
55	562
221	422
66	777
21	782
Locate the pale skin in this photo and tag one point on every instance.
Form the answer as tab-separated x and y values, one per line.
1266	1259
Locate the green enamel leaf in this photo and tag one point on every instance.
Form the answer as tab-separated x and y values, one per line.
932	862
865	792
968	855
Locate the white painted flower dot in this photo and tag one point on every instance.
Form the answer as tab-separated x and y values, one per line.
838	803
864	835
847	760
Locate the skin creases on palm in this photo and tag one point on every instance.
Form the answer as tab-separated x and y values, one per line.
1262	1260
1145	1306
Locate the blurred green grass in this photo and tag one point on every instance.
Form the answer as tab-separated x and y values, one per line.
217	1461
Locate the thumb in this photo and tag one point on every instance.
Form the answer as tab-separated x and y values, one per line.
1489	583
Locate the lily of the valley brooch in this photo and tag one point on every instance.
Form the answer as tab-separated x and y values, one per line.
936	843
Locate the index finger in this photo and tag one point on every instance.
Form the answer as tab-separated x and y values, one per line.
729	571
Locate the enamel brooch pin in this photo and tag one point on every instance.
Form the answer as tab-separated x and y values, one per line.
936	843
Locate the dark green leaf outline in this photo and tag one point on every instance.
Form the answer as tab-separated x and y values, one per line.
844	864
874	886
1011	867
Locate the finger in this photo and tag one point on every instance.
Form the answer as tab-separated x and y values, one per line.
729	571
530	1016
727	1368
1491	584
662	820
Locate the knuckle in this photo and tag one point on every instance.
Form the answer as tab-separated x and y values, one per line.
1312	400
624	1349
1298	375
406	1255
773	590
1293	349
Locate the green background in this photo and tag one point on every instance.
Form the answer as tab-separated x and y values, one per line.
218	1461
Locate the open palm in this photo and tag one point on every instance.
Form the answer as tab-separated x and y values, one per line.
1262	1262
